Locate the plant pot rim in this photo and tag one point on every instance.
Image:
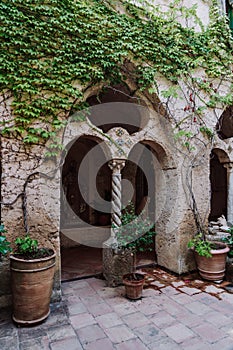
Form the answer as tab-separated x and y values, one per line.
226	249
12	257
124	278
222	250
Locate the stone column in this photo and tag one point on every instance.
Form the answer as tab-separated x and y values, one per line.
229	167
116	263
116	165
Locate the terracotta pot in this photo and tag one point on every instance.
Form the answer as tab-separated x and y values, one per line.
32	282
133	288
213	269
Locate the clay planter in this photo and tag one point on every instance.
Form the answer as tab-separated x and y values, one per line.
32	282
213	269
133	287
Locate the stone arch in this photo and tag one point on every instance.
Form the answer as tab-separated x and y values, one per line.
149	168
126	113
221	154
162	152
224	126
163	162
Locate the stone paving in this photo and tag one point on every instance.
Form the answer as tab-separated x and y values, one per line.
173	314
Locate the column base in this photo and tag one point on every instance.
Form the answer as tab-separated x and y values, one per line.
116	264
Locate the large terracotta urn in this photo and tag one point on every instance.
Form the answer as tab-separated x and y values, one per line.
31	282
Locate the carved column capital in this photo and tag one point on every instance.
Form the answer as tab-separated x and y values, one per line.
229	167
116	165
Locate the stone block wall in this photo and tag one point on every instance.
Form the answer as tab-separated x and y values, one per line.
18	163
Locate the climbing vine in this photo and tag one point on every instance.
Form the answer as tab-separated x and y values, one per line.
52	51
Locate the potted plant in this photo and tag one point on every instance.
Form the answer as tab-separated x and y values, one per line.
210	257
135	234
32	271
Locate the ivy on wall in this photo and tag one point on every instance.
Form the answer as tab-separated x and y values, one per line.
53	50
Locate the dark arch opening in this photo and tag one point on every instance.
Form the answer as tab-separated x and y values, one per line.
229	12
125	113
140	172
224	126
75	210
134	172
80	239
218	183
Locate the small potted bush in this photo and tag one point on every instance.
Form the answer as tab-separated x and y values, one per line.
210	257
135	234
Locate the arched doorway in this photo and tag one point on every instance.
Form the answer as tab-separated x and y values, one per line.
218	183
140	170
85	178
77	183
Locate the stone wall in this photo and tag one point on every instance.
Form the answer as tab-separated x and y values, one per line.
178	175
18	163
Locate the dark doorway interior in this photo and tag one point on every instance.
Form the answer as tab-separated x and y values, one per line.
218	182
76	210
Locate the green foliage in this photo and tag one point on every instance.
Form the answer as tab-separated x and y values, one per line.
186	137
229	241
136	232
173	91
4	244
26	245
207	131
201	246
51	51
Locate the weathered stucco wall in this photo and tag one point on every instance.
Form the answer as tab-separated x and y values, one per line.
17	164
202	10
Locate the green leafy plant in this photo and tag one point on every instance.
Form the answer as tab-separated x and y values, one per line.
4	244
201	246
28	248
229	241
136	232
26	245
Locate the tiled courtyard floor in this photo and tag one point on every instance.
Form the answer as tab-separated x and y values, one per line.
174	313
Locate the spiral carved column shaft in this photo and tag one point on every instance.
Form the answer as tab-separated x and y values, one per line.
116	165
116	263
